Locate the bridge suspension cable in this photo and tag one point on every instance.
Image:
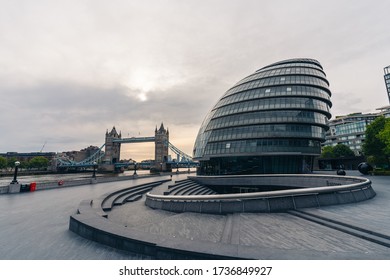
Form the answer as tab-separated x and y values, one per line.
177	151
67	162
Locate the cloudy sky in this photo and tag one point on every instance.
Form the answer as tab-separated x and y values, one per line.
70	70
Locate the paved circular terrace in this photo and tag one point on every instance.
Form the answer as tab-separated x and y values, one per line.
349	231
289	192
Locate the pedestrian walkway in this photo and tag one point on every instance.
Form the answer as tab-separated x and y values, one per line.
35	225
276	235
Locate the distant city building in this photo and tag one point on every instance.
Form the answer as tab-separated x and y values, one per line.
350	129
387	80
84	153
385	111
272	121
27	156
81	155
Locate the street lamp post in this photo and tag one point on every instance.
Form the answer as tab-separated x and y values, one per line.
94	170
15	181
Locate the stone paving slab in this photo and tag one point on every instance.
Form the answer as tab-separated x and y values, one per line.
189	225
284	231
373	214
271	236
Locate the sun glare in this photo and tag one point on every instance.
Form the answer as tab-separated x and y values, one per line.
144	81
142	97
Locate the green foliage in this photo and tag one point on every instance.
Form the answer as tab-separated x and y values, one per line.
24	164
375	144
384	136
327	152
11	162
39	162
340	150
380	172
3	162
371	160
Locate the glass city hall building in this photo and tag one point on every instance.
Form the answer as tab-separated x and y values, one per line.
271	122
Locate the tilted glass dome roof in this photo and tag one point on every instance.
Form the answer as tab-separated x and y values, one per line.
280	109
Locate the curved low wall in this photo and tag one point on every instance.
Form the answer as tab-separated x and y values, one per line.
314	191
91	222
283	180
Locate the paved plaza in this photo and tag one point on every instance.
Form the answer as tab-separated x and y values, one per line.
36	226
275	235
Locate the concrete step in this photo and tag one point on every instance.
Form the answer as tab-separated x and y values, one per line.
109	200
346	228
128	197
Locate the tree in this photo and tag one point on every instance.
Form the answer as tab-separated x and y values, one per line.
39	162
384	136
11	162
24	164
341	150
327	152
3	162
374	146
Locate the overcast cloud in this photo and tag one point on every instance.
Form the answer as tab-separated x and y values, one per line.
69	70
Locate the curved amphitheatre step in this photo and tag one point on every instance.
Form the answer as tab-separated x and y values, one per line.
189	190
189	187
174	187
107	201
91	222
196	190
132	196
183	189
180	183
178	186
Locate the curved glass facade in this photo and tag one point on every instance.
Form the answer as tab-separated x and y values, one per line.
272	121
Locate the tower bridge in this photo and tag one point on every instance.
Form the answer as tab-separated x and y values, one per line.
109	159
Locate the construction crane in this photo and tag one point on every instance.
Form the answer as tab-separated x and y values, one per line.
43	147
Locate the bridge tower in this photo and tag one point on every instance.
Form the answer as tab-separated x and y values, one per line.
112	150
161	149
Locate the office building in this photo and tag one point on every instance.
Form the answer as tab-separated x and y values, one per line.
272	121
